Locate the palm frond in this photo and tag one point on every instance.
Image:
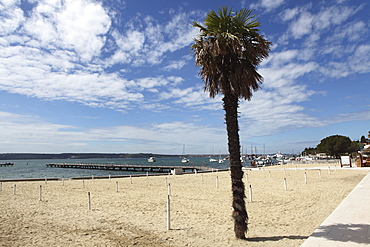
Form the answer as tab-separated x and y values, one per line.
228	50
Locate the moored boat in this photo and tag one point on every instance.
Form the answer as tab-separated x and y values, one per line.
184	160
7	164
151	159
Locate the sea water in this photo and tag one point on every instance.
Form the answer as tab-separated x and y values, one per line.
37	169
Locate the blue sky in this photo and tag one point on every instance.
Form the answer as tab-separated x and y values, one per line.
118	76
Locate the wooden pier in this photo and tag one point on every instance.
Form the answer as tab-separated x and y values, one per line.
131	168
7	164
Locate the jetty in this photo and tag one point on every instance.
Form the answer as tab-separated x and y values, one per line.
131	168
7	164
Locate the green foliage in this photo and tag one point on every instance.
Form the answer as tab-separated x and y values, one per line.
308	151
335	145
364	140
228	50
356	146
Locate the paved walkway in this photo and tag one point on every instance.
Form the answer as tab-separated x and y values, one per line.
349	224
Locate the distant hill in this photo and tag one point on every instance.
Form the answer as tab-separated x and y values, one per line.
28	156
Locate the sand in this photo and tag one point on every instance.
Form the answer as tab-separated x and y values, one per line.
135	215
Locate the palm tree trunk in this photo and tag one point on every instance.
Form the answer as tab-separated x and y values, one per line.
240	215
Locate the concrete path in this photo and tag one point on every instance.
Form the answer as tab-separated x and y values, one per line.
349	224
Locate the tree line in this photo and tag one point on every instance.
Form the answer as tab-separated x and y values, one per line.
336	145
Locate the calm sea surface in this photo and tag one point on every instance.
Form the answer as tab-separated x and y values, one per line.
37	168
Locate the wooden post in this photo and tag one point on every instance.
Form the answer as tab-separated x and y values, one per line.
202	177
83	183
250	193
116	186
305	177
46	180
319	173
14	189
88	201
168	213
285	184
1	186
130	179
63	180
217	182
169	189
40	197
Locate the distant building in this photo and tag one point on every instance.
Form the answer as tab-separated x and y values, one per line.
363	157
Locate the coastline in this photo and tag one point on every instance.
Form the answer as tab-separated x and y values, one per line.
200	212
24	169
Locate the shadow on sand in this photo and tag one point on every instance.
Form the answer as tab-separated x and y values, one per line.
274	238
357	233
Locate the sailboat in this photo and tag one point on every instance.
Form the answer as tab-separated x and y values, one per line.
220	160
212	159
184	159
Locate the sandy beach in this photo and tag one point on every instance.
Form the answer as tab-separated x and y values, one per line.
135	214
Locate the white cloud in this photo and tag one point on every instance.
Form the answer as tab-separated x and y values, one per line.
152	83
56	36
272	112
25	133
276	106
289	14
145	41
357	62
129	46
329	36
55	53
350	117
267	4
354	31
190	97
175	65
322	48
277	77
11	17
78	25
305	22
133	41
29	71
81	25
302	26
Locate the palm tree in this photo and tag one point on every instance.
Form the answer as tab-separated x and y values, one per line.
228	50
